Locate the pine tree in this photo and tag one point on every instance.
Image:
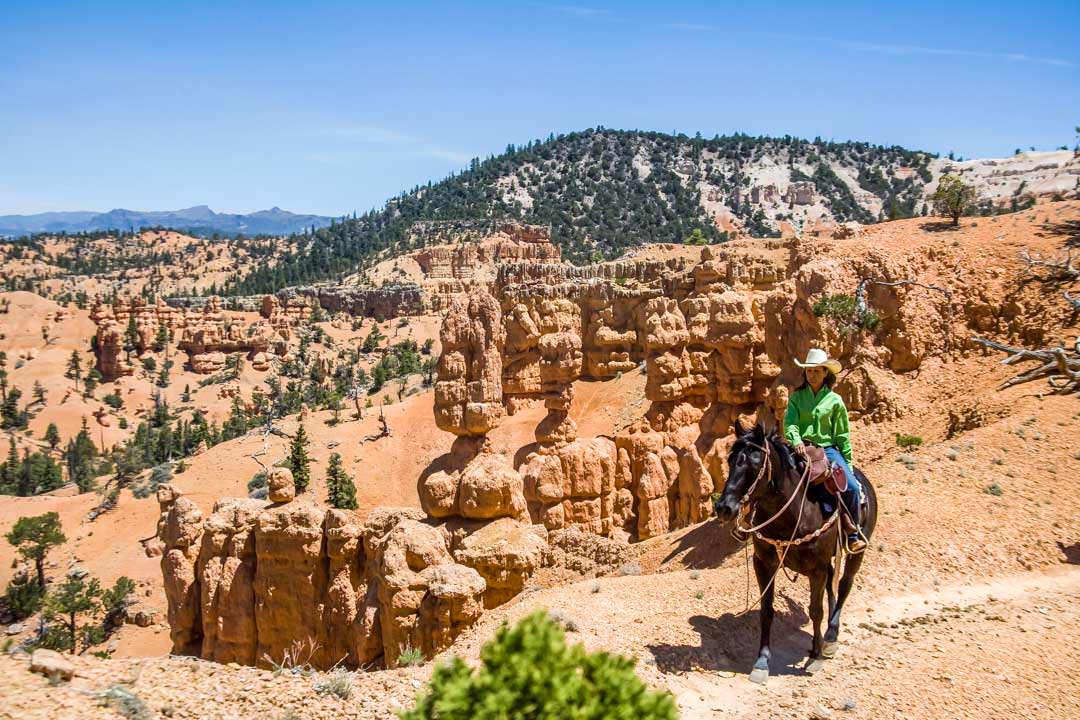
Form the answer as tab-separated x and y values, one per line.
39	392
340	490
74	597
74	368
299	463
34	536
131	336
11	469
161	338
52	436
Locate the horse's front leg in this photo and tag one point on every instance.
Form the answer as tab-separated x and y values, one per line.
765	572
818	581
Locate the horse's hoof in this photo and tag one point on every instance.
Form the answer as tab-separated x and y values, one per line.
828	649
815	665
759	675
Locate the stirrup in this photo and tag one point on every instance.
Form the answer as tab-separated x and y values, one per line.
856	546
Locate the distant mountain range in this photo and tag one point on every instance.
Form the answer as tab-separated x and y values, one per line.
199	219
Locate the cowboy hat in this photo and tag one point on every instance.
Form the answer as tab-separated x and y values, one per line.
819	358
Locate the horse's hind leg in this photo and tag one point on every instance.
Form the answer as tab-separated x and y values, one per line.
765	575
851	569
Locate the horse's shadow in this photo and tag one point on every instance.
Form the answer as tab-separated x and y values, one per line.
705	546
729	643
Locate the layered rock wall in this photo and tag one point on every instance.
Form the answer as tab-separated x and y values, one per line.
206	334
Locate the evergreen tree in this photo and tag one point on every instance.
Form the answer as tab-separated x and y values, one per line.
74	368
299	463
39	393
34	537
11	468
52	436
340	490
80	456
131	336
953	197
161	338
64	604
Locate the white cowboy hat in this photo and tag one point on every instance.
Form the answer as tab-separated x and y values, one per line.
819	358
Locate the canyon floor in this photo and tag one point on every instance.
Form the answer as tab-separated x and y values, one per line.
965	606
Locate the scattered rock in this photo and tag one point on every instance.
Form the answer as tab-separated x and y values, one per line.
51	664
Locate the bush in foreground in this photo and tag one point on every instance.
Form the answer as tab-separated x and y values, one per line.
529	672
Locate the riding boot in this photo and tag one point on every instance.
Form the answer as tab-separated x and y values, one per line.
856	543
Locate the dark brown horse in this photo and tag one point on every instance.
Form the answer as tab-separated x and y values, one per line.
767	476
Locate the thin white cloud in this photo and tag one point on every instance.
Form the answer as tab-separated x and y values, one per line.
690	26
890	49
358	132
582	11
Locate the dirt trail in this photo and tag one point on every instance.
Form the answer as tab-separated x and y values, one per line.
1003	648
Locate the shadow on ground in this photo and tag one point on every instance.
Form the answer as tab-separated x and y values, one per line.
729	643
1071	552
939	226
706	546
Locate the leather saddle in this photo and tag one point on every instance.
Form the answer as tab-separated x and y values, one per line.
823	471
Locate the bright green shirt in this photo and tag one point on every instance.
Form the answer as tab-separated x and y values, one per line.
821	419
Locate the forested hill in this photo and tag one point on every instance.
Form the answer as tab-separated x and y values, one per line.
603	191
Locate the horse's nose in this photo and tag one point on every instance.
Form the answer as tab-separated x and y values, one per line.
725	510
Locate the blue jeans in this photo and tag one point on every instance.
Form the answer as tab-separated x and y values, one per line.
851	496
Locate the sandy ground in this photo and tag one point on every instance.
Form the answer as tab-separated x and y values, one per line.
964	607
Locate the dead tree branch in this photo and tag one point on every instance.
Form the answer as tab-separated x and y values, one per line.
1074	301
1059	366
860	291
1059	269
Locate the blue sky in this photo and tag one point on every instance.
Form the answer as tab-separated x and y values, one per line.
333	107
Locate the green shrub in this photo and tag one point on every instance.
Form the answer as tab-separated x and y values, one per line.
23	596
908	441
529	672
846	313
411	656
993	489
338	683
126	703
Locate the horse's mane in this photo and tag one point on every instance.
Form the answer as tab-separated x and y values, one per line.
758	435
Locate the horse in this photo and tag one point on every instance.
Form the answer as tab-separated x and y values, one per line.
765	479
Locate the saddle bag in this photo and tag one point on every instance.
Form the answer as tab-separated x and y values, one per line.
836	480
823	471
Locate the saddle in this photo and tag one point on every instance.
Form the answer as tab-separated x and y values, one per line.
822	471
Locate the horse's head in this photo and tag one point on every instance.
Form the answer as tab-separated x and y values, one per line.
745	464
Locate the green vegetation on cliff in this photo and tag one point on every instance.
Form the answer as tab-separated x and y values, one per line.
602	192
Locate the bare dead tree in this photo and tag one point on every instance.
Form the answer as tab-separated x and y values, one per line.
1058	268
1060	366
384	430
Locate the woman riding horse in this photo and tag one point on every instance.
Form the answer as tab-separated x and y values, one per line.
817	415
768	489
